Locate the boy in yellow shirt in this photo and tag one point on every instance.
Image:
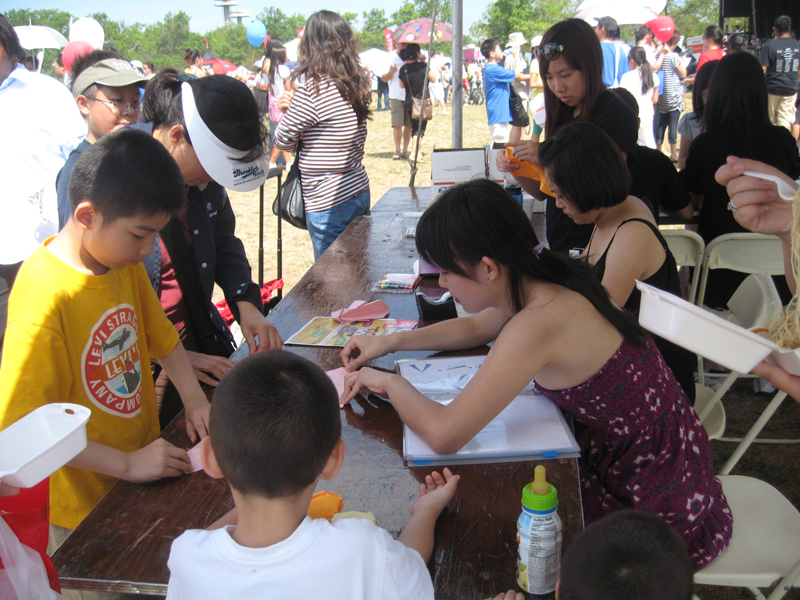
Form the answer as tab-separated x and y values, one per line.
84	322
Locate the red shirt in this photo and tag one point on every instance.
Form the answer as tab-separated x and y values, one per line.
709	55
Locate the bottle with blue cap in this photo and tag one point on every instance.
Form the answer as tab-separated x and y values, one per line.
538	536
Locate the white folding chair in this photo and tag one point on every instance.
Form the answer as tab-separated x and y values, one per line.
710	411
754	304
687	247
765	546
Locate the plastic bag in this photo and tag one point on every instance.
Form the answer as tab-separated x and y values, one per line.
23	576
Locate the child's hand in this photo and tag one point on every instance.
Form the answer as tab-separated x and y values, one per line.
436	492
197	411
156	460
504	164
253	324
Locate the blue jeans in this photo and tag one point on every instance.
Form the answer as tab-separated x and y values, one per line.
325	226
385	95
667	121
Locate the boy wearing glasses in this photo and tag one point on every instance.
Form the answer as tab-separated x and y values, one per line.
106	90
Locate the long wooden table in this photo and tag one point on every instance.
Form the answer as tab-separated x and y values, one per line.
123	544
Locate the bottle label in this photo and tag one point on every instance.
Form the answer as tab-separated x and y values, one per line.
539	555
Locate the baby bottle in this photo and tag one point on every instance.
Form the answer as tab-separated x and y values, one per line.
538	537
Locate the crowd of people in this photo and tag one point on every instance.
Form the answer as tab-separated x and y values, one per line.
129	167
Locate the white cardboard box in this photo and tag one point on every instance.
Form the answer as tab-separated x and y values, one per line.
491	161
449	167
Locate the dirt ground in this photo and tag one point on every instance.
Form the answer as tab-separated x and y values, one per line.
775	464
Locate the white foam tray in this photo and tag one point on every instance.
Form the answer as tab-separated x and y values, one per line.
709	335
42	442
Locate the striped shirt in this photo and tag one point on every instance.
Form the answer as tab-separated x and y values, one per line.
332	146
672	97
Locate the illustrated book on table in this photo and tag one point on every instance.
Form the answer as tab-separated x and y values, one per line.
326	331
531	427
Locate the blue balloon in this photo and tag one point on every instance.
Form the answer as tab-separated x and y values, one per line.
256	33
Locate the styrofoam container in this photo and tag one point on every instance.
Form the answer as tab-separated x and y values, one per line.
42	442
700	331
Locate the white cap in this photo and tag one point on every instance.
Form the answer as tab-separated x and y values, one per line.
222	162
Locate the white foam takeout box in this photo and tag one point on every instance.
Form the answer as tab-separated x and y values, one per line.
41	443
709	335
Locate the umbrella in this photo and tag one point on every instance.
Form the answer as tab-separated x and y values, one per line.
419	31
624	12
375	60
39	36
218	65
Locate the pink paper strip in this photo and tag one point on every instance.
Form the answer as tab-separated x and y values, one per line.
337	377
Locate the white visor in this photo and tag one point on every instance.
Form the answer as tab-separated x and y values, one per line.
223	163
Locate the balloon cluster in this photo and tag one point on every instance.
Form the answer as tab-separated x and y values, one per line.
85	35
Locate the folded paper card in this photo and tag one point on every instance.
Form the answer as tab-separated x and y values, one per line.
325	331
361	311
194	459
337	377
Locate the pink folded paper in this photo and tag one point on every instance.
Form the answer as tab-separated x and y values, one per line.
194	459
361	311
337	377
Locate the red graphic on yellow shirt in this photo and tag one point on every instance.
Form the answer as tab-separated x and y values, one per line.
112	366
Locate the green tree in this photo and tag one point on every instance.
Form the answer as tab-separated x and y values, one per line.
281	25
164	42
417	9
692	16
371	34
531	18
230	42
351	18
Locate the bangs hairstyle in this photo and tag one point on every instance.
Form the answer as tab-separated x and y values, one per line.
582	53
328	51
276	58
274	422
226	105
127	173
629	555
737	98
587	166
480	219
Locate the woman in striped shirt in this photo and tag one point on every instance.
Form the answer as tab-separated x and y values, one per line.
327	118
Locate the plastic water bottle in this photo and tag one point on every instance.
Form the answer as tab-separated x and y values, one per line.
538	537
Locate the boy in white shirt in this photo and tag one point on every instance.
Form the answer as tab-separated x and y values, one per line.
275	433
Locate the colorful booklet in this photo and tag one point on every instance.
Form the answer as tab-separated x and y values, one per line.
531	427
325	331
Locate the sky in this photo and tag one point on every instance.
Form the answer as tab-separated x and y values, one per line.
205	16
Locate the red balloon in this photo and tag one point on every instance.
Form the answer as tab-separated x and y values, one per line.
662	28
73	50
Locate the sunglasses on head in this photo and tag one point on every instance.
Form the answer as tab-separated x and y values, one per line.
549	51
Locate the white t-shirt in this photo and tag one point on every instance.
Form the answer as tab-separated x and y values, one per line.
632	81
278	87
395	91
349	559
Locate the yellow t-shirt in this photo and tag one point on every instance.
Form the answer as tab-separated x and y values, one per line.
84	339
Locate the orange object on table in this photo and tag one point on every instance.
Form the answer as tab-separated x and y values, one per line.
529	170
324	505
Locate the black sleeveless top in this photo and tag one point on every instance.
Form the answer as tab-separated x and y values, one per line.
682	362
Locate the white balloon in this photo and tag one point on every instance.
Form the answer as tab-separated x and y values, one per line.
87	30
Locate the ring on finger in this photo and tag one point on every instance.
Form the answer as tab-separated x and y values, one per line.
732	207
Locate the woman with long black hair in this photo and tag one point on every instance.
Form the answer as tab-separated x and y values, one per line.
642	445
327	120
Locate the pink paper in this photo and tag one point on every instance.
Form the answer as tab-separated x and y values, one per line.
337	377
194	459
362	311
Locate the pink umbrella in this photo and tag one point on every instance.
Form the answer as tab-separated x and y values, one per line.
419	32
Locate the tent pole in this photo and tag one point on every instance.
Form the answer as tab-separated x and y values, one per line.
457	93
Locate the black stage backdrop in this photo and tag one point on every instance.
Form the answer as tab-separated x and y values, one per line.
766	13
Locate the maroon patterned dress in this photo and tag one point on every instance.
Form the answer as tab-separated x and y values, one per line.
643	447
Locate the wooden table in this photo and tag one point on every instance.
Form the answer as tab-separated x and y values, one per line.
123	544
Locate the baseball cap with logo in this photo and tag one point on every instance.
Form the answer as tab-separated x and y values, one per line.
222	162
113	72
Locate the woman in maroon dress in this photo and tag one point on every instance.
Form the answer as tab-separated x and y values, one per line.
642	445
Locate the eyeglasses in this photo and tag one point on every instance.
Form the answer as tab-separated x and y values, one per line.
120	106
548	51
